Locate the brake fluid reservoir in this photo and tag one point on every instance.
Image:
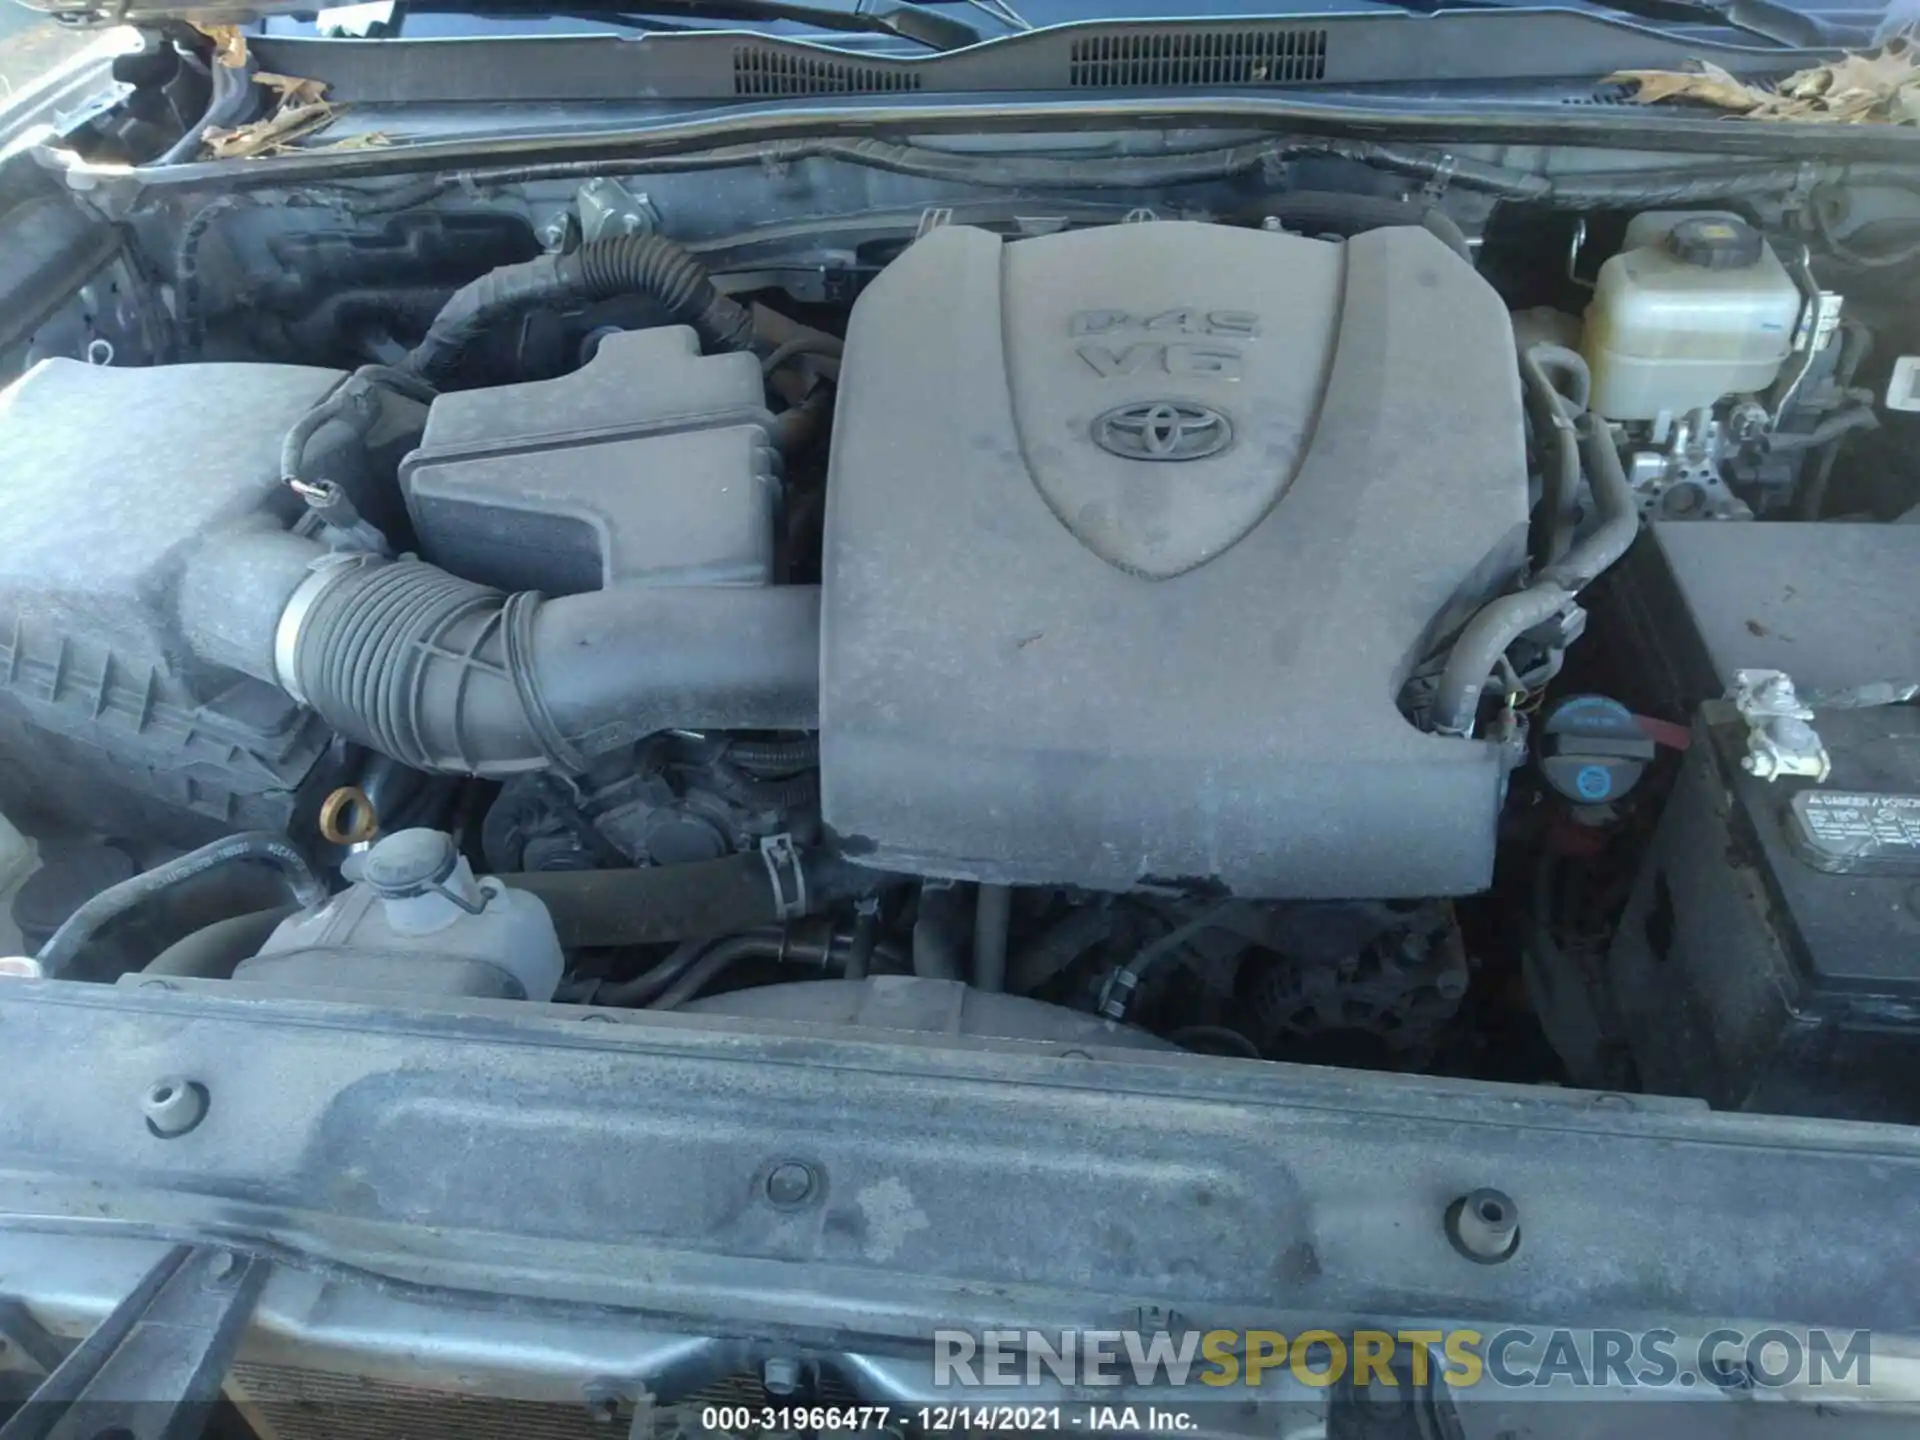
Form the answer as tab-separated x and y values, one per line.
1694	308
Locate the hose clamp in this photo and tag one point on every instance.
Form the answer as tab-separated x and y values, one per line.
294	614
789	881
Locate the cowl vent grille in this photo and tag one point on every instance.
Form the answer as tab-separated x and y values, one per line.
780	72
1212	57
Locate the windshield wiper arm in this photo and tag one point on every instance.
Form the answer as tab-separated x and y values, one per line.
884	17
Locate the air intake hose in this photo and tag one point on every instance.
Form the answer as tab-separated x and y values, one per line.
444	674
604	269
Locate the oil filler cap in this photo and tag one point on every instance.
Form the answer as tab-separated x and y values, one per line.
1592	749
1715	242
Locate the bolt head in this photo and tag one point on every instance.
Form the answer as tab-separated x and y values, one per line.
781	1375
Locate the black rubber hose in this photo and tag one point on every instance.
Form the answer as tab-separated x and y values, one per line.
447	675
58	954
213	951
992	912
1613	502
707	898
1498	624
761	945
649	983
1485	639
1553	412
649	265
1834	427
823	952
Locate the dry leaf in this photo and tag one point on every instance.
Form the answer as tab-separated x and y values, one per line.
229	44
276	132
291	89
1710	84
1880	86
299	110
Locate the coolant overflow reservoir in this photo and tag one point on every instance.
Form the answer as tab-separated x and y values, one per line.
1694	308
417	919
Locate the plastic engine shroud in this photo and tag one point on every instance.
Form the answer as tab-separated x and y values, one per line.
1133	537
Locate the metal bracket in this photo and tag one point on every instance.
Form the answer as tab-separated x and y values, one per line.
788	879
607	207
151	1370
1574	247
934	217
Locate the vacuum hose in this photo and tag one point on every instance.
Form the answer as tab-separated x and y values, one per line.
605	269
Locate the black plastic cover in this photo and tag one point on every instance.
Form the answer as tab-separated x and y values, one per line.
651	464
1134	535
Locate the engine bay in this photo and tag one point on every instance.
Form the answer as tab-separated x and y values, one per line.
1348	624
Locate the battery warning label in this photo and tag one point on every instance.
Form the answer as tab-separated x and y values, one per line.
1852	833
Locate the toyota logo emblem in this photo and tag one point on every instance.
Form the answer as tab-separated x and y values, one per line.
1162	430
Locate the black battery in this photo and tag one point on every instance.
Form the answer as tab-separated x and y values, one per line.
1769	958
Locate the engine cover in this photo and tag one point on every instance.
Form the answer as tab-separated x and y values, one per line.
1133	537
